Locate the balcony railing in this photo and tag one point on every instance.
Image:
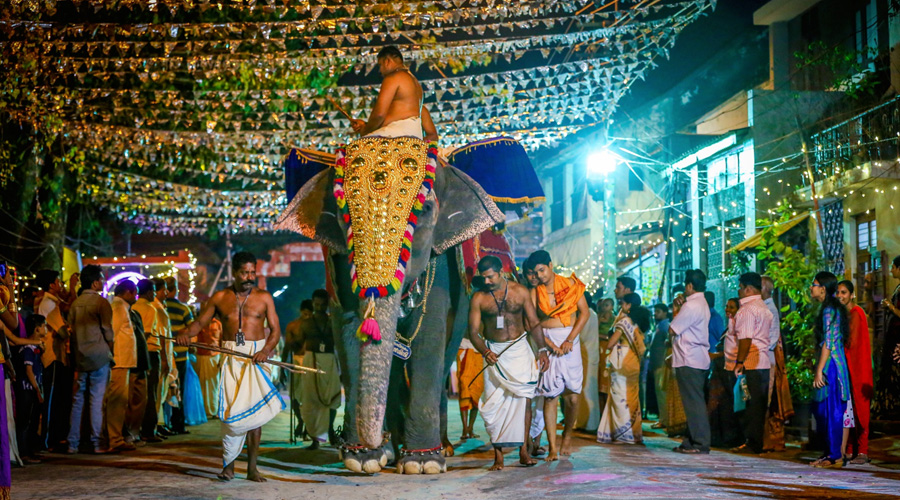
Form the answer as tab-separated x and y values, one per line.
870	136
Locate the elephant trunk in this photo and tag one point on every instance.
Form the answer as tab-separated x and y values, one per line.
375	370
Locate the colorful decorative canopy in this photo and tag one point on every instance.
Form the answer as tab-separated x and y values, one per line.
184	108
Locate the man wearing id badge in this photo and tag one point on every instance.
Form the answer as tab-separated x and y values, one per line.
502	311
320	392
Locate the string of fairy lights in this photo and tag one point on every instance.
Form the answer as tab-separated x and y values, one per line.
589	269
167	268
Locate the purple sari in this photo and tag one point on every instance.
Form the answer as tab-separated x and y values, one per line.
5	474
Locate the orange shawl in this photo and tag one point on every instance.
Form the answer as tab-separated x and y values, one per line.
567	296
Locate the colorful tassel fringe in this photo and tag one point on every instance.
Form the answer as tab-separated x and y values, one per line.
369	331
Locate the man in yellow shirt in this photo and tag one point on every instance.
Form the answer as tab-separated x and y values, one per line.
150	318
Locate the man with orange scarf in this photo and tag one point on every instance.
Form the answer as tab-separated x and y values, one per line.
563	312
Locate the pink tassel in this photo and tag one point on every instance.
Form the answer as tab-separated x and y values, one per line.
369	329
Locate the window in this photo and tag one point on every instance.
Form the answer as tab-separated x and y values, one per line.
579	195
558	206
866	242
635	183
867	234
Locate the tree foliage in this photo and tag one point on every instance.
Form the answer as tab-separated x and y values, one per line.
792	270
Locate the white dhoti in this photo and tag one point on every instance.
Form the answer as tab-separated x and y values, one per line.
537	417
320	393
565	371
508	385
407	127
247	397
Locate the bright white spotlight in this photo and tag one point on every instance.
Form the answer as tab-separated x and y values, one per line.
601	163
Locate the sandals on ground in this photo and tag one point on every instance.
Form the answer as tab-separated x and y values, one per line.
827	463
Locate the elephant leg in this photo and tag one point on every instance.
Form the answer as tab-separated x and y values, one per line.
457	324
425	367
397	403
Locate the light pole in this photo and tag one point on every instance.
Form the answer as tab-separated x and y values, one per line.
601	169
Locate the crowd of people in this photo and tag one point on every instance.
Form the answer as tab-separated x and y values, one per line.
713	381
74	361
89	374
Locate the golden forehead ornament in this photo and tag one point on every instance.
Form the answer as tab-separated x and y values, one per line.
382	180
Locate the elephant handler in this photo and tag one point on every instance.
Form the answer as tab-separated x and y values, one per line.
564	312
512	375
248	398
399	110
320	392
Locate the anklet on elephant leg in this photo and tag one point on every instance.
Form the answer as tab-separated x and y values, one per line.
425	451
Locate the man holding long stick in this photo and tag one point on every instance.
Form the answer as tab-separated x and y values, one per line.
512	375
248	399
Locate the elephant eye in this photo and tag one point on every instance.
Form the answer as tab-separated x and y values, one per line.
427	207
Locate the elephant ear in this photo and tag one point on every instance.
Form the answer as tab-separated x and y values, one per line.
466	209
314	213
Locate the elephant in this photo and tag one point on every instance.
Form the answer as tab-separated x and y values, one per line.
456	209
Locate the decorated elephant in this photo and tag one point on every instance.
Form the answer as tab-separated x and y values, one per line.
392	216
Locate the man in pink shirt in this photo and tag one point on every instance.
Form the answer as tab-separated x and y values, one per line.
751	326
690	359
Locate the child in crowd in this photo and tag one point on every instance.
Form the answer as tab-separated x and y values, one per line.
29	394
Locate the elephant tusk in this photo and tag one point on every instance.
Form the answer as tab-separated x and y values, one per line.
453	214
329	213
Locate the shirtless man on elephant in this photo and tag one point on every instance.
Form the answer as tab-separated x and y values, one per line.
399	109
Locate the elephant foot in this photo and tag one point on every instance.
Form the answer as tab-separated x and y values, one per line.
428	461
362	459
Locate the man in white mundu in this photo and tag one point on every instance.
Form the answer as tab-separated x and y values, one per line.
247	397
505	309
563	313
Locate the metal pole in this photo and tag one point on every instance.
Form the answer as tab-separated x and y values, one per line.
610	258
292	439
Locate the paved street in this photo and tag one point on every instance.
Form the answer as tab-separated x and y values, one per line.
185	468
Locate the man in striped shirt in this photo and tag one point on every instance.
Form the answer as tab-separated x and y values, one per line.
180	316
751	325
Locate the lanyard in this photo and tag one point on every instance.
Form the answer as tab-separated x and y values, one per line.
239	337
501	303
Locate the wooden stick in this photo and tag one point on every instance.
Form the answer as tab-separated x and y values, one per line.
287	366
339	108
498	356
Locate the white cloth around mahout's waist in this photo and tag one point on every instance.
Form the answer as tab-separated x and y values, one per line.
407	127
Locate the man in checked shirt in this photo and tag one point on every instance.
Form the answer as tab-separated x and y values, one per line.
751	325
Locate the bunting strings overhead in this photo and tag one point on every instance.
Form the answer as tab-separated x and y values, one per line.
184	108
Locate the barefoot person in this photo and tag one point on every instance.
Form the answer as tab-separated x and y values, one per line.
471	385
248	399
563	312
399	109
505	310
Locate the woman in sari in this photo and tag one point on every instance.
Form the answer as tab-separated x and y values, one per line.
859	361
832	385
887	402
621	420
605	319
723	424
